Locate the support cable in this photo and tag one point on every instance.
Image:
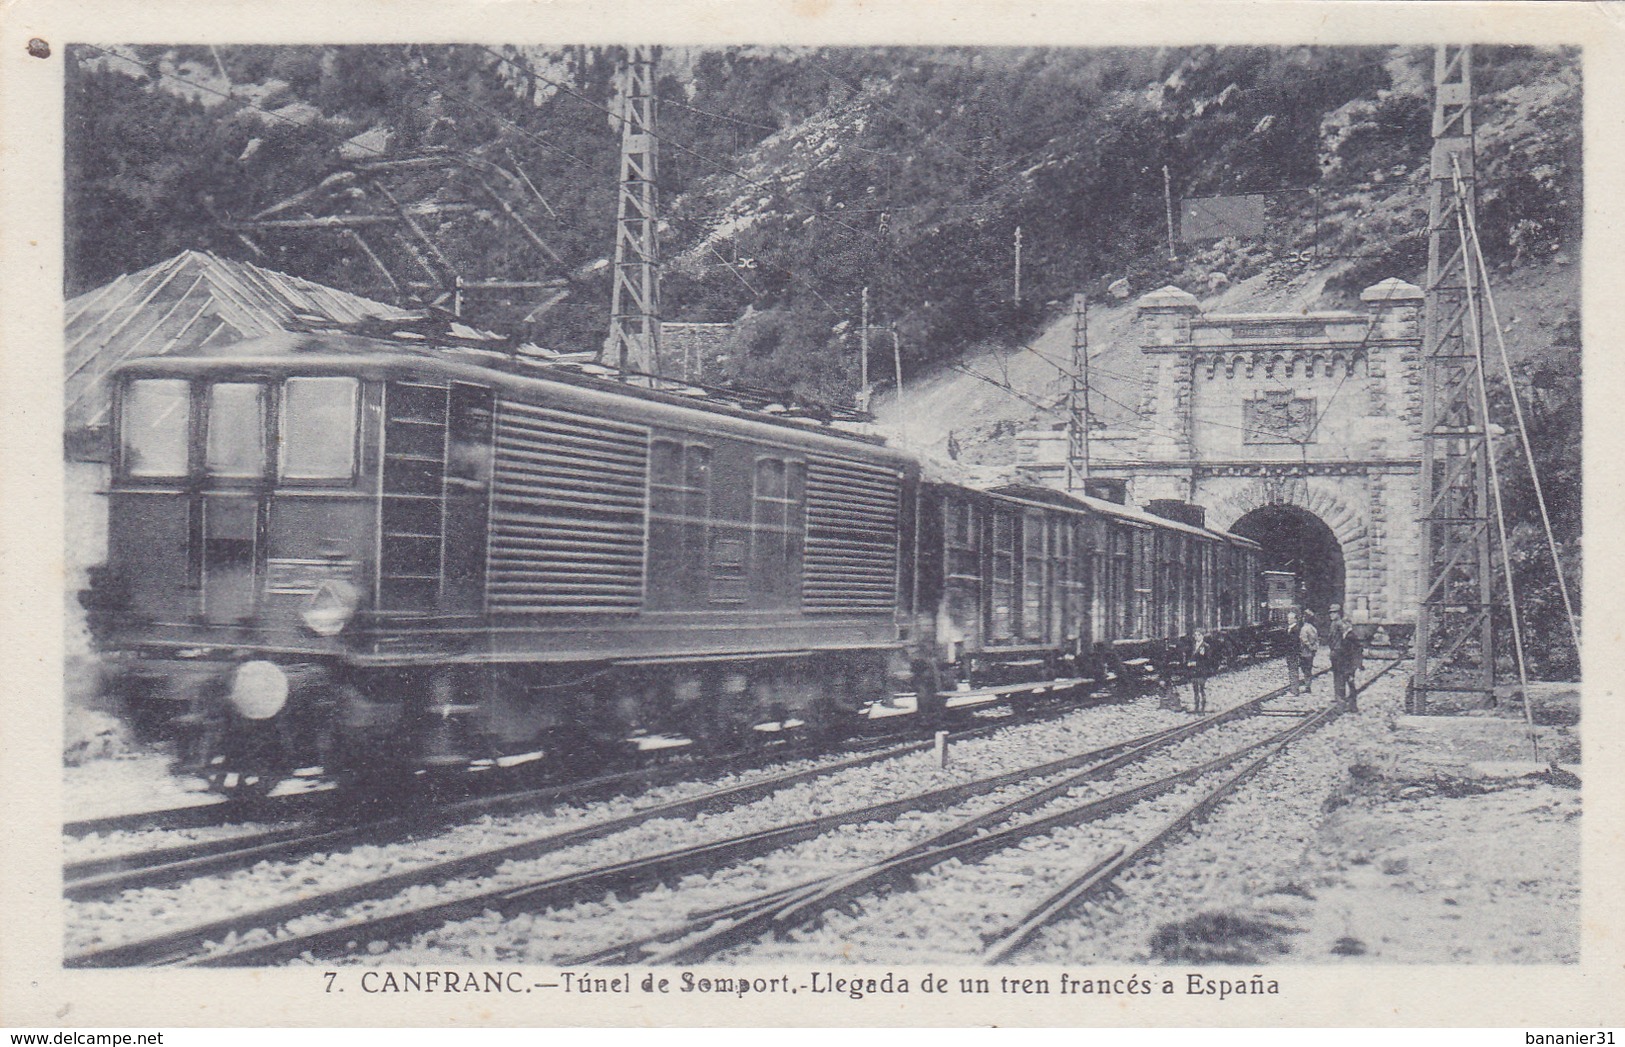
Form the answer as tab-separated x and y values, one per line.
1475	273
1528	451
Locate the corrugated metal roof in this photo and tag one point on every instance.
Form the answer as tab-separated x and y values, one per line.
192	299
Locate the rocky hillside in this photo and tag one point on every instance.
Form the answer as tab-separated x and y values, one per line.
794	178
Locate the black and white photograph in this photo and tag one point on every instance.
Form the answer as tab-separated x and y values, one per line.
1016	528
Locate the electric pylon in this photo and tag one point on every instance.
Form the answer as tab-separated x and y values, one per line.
634	328
1454	627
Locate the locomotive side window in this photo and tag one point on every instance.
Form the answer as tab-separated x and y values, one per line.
679	523
157	421
319	428
235	445
778	522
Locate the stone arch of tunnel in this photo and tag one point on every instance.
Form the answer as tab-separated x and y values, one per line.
1296	540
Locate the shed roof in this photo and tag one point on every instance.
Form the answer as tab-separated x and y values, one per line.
193	300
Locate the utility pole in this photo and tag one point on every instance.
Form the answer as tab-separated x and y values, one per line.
1168	205
897	362
1018	265
863	357
1077	457
1454	625
634	329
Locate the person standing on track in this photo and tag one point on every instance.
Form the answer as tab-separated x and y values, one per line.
1204	659
1288	649
1347	656
1308	644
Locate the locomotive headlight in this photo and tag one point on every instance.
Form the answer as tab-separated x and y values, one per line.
331	607
259	689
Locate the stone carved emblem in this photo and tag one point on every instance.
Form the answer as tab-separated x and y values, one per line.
1278	418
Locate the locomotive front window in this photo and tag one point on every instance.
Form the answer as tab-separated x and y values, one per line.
236	438
157	421
319	428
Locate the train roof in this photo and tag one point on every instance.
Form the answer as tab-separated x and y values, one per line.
343	352
1034	494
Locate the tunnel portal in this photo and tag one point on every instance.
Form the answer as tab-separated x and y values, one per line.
1298	541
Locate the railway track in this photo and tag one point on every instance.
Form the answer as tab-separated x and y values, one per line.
100	878
1186	797
315	826
710	932
103	877
1093	881
314	803
210	814
614	878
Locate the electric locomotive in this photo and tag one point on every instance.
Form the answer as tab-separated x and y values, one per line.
376	556
348	551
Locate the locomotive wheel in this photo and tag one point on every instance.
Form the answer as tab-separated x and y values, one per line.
831	721
929	701
238	785
241	760
719	721
592	735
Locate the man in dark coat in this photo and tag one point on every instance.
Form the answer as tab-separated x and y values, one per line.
1288	649
1204	660
1348	653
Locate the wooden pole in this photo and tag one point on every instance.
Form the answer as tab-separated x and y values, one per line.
1168	204
863	359
942	748
1018	265
897	362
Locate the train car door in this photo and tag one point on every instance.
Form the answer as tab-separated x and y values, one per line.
470	455
962	573
233	501
1002	595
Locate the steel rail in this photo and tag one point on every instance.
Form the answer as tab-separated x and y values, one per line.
772	900
177	946
200	815
1004	944
779	911
217	812
632	874
733	924
102	877
629	875
807	906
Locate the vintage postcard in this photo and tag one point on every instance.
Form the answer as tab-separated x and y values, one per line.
810	513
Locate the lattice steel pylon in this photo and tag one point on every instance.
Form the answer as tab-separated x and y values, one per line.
634	327
1454	626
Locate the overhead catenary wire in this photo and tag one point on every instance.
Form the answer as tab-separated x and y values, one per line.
815	63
